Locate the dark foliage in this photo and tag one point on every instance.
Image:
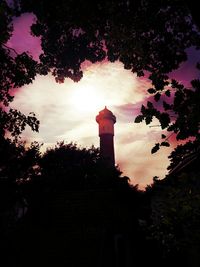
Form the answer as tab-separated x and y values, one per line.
67	166
148	37
119	30
15	71
18	166
72	201
175	216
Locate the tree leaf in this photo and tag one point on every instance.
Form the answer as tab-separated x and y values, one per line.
157	97
143	109
166	106
164	120
155	148
196	83
148	119
149	105
168	93
151	90
165	144
139	118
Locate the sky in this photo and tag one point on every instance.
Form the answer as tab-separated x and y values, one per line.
67	111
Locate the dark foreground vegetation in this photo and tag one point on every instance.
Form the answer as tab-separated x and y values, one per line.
70	209
65	208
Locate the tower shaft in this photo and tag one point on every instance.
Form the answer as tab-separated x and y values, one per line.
106	121
107	148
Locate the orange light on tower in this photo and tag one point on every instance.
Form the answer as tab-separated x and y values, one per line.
106	121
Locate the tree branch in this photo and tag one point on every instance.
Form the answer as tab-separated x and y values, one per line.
10	48
169	136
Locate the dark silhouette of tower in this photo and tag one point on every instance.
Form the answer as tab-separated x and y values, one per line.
106	121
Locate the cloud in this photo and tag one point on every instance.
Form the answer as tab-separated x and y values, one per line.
133	152
61	118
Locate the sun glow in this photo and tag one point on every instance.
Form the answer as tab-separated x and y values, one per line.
87	99
67	112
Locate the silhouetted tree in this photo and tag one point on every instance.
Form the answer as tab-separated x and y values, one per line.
71	167
19	160
16	162
175	217
182	153
15	71
142	34
18	166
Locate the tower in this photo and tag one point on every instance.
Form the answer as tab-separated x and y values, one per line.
106	121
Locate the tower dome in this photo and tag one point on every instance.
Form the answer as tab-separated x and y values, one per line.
105	114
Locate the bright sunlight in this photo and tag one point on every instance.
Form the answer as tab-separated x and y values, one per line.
87	99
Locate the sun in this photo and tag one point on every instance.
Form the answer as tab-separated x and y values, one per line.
87	98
